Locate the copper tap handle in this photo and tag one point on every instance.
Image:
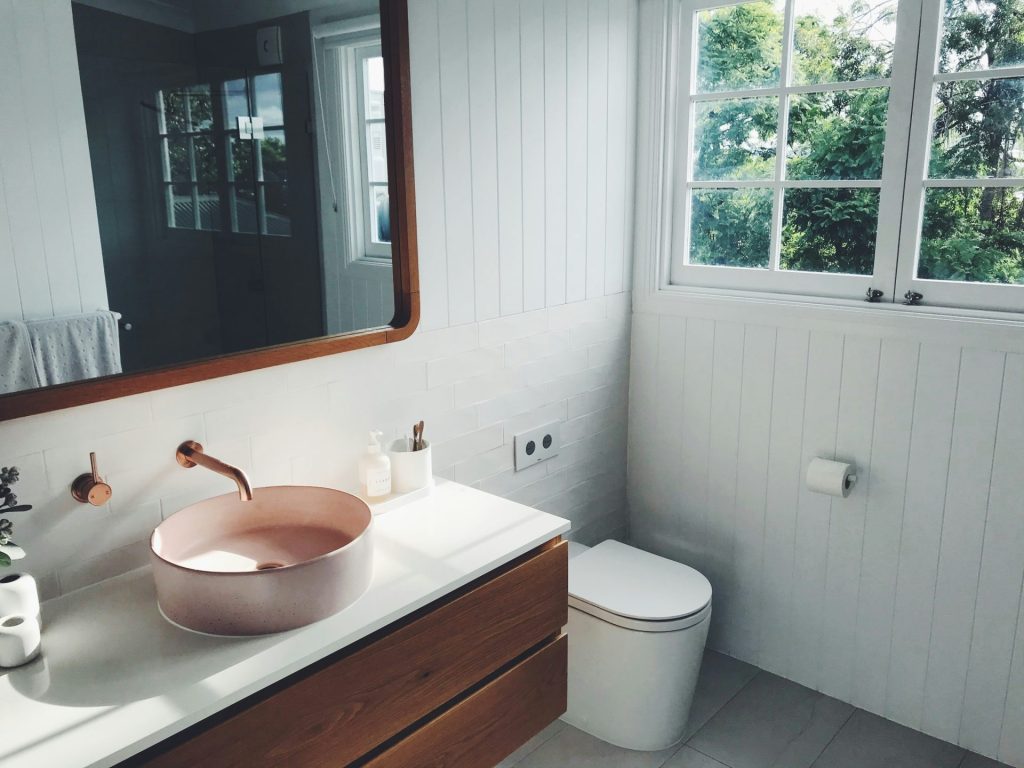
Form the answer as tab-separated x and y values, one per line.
89	488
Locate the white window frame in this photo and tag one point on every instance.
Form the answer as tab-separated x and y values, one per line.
669	103
340	60
943	292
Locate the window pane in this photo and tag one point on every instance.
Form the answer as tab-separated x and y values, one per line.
236	101
241	160
181	213
973	234
739	46
979	34
376	152
275	201
381	208
206	159
978	129
177	154
735	139
174	112
201	106
838	135
829	230
843	40
730	227
269	98
209	208
275	156
244	214
373	78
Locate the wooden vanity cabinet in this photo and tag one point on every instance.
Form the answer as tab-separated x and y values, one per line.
460	683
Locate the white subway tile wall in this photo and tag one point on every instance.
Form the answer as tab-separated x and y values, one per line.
307	423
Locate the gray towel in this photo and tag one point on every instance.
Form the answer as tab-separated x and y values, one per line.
75	348
17	371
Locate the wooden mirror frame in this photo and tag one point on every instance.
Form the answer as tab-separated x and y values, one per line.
394	18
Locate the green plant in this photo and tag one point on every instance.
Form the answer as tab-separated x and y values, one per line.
8	503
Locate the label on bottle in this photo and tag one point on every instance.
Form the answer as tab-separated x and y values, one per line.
378	481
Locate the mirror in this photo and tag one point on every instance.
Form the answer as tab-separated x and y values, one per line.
253	196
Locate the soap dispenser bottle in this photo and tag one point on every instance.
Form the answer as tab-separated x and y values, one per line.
375	469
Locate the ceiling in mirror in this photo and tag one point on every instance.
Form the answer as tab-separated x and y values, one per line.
243	192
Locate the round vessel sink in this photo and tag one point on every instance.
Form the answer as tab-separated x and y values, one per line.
291	556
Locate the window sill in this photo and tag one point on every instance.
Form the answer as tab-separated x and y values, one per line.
983	328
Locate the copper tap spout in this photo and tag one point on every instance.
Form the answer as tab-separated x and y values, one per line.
191	453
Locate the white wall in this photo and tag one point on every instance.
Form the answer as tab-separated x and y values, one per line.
903	598
50	258
476	379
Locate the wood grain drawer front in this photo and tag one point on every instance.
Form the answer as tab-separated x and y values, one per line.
490	724
345	709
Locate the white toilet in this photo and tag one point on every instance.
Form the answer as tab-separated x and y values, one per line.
637	627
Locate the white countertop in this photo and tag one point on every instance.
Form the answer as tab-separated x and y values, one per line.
116	678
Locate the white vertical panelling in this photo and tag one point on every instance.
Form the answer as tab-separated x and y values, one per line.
531	36
789	380
74	151
577	78
938	370
905	597
428	142
723	445
963	531
821	408
484	157
883	524
742	610
30	30
999	584
692	475
846	521
453	41
24	214
618	151
556	139
597	145
8	268
632	88
510	153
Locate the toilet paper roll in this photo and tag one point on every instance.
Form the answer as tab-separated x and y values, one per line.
19	639
18	594
835	478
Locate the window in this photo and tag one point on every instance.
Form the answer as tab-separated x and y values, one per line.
206	156
351	92
189	158
807	159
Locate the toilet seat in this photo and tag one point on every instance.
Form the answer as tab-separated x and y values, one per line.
637	590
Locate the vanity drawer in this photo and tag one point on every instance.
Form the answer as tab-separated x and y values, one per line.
488	725
351	703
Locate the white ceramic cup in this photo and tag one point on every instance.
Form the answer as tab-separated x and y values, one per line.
410	470
19	639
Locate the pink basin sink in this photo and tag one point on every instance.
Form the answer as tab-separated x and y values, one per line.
291	556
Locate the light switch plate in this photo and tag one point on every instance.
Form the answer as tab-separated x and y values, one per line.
537	445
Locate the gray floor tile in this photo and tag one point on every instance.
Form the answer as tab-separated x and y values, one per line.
544	736
572	748
691	758
772	722
721	678
972	760
870	741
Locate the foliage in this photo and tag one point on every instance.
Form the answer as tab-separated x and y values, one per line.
974	234
8	503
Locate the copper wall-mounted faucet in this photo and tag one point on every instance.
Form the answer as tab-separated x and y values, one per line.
191	453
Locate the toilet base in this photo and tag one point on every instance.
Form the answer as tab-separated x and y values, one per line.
630	688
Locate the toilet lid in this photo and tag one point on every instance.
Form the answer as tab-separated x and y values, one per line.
637	585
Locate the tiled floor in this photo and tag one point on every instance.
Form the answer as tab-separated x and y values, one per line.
743	717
